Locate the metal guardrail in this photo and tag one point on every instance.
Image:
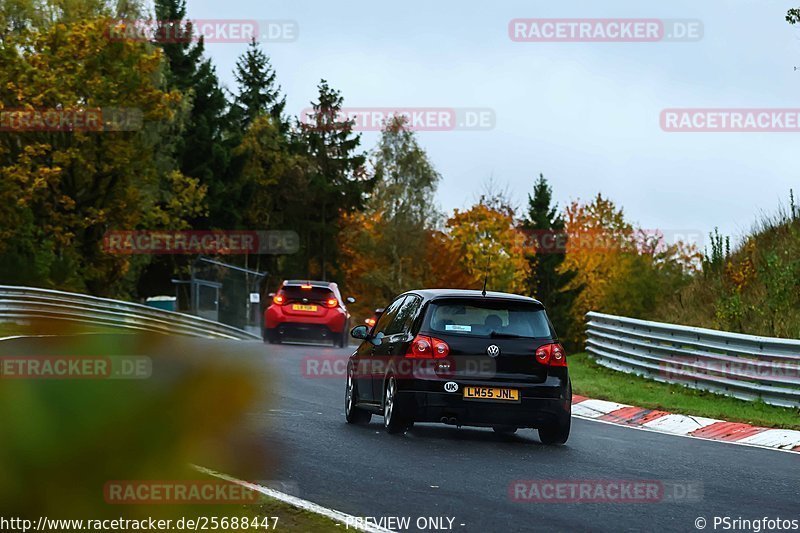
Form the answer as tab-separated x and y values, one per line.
747	367
29	303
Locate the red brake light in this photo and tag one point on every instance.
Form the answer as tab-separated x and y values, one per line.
440	349
551	354
424	347
331	302
306	286
278	299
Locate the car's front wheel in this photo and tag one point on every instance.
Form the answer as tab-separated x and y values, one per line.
353	414
394	420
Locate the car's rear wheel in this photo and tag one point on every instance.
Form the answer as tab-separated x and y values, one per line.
271	336
504	430
394	420
557	433
353	414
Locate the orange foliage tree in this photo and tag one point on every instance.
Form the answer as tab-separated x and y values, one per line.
486	240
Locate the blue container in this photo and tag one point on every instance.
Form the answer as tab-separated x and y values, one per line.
167	303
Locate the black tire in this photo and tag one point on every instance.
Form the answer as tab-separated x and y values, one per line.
394	421
505	430
271	336
557	433
353	414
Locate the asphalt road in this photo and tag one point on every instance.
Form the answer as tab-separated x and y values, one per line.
465	474
440	471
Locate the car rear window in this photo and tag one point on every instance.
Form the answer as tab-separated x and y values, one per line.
487	318
295	292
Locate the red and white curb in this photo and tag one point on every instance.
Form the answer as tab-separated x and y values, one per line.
684	425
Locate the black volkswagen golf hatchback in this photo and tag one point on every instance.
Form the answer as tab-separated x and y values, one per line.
463	358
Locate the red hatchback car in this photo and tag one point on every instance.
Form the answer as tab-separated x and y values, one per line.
307	310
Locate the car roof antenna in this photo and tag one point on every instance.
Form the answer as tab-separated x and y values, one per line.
485	277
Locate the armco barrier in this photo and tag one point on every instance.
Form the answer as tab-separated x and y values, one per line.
28	303
748	367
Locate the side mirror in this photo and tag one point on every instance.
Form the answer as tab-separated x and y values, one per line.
360	332
350	300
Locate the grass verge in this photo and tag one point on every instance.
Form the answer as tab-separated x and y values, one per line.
595	381
290	518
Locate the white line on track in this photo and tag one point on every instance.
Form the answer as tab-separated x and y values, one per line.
337	516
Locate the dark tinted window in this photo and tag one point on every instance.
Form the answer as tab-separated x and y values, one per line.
405	316
318	294
484	318
388	315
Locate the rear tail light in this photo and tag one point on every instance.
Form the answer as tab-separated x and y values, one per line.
331	302
278	299
424	347
552	354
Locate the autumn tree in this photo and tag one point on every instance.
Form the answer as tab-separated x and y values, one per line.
620	269
488	244
64	189
383	247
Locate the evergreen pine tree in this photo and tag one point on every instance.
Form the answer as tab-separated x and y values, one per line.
547	282
337	180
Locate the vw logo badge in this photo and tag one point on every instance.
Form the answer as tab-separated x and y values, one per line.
493	350
451	386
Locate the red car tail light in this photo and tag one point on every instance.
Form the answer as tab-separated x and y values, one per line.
331	302
551	354
424	347
278	299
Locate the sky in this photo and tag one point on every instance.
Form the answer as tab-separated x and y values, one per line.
585	114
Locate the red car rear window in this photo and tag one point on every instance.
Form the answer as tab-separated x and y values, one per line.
319	294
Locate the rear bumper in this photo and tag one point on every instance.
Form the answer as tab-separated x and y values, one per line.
302	330
539	405
333	321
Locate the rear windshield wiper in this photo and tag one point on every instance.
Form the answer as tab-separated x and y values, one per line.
496	334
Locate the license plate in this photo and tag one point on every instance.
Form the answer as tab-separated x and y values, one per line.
299	307
491	393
